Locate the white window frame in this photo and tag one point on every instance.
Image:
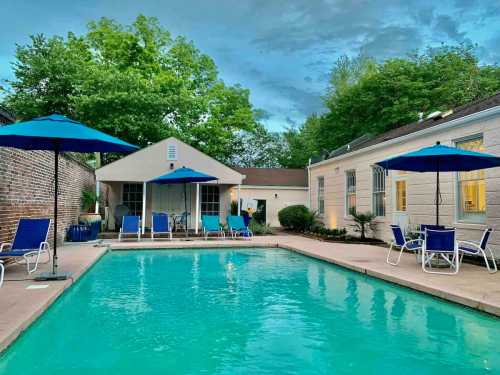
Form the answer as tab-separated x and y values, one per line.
481	218
139	212
320	195
378	188
350	176
209	202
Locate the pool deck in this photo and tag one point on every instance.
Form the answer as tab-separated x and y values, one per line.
472	287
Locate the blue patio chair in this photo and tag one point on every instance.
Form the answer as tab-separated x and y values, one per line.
479	248
160	225
402	243
211	224
440	245
30	241
237	227
423	227
131	225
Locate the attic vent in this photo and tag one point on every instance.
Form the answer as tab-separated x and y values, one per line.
172	152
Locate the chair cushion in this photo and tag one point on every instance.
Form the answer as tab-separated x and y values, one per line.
17	253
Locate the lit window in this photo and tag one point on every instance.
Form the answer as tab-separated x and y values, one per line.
471	187
321	195
378	191
350	191
401	195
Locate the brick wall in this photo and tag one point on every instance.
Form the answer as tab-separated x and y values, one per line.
27	188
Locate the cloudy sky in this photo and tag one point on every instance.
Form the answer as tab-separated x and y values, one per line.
281	49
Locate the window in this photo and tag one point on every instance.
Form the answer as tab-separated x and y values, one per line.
350	191
172	152
471	187
378	203
132	198
210	200
321	195
401	195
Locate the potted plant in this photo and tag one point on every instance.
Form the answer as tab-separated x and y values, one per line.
88	201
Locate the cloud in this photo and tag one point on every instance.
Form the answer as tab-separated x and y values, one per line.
392	41
449	26
303	101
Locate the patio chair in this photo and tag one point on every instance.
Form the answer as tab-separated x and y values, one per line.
160	225
479	248
440	245
211	224
402	243
131	225
2	270
30	241
237	227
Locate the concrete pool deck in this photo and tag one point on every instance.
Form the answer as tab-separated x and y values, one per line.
473	286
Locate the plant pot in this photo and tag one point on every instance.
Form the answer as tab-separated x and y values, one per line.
89	218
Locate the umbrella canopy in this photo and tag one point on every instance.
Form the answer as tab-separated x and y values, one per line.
183	176
59	133
439	158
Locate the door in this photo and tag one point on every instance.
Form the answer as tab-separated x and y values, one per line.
400	206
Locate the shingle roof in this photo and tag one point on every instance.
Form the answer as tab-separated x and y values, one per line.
462	111
274	176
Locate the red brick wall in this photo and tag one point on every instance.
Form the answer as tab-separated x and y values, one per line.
27	188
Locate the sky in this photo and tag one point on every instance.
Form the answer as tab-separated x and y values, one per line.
282	50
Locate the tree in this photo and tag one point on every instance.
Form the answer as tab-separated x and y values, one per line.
134	82
366	97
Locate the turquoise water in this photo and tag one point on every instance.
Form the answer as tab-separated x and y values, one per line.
248	312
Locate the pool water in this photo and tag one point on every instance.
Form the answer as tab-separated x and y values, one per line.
258	311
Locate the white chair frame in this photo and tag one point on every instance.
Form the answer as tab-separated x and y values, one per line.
428	256
477	245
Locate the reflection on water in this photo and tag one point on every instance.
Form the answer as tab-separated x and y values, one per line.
249	312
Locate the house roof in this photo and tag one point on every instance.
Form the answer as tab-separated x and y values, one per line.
456	113
5	116
274	176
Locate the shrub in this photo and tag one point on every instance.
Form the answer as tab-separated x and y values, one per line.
88	199
258	228
297	217
362	222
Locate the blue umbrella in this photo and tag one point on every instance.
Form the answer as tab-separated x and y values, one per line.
59	133
439	158
183	176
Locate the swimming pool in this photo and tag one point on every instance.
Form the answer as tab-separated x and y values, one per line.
248	311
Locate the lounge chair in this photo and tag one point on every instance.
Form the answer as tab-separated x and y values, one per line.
237	227
479	248
211	224
440	245
160	225
29	241
131	225
2	269
402	243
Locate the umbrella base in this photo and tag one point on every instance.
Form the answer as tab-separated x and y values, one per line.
50	276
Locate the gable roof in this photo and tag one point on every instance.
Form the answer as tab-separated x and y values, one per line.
456	113
274	176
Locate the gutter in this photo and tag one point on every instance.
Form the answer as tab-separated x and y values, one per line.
462	121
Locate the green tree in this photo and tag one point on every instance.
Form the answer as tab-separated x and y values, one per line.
134	82
366	97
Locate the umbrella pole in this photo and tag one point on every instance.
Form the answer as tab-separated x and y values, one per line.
437	197
186	210
56	185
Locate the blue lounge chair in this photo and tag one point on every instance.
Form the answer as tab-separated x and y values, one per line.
237	227
440	245
30	241
402	243
130	225
479	248
211	224
160	225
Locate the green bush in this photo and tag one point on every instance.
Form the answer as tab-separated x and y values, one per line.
330	233
297	217
258	228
